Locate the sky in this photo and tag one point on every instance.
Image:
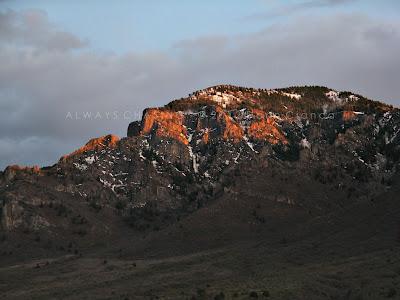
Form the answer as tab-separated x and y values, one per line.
74	70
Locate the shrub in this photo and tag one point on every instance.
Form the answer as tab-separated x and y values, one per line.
201	292
95	205
120	205
220	296
266	294
253	294
391	293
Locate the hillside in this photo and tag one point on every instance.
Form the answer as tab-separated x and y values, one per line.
231	192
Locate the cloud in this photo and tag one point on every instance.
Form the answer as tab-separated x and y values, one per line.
318	3
297	7
31	28
42	86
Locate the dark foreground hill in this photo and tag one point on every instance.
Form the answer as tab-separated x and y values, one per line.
230	193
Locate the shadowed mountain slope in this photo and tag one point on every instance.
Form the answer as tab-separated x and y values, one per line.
231	192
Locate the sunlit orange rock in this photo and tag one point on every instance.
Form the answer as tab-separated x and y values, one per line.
349	115
265	129
166	123
206	136
107	141
258	113
232	130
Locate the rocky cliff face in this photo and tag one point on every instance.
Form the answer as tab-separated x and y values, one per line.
96	144
185	155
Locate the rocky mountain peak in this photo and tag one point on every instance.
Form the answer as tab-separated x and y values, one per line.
179	157
242	114
95	144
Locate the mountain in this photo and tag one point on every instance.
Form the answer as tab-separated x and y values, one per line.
231	192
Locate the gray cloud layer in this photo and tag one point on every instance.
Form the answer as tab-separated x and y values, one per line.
292	8
44	75
32	28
